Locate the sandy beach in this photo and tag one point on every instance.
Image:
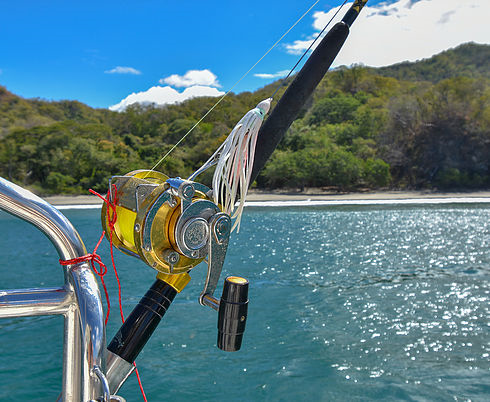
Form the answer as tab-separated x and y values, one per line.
308	195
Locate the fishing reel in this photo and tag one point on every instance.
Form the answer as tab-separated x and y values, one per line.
172	225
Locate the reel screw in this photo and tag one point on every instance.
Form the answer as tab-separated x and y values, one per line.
223	227
171	256
187	191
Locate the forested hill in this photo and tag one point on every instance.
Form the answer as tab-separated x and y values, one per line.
468	60
412	125
17	112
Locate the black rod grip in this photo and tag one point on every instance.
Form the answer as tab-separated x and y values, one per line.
145	317
232	313
295	97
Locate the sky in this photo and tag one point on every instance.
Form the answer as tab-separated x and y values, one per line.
109	54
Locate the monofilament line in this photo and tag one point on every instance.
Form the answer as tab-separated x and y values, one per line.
234	85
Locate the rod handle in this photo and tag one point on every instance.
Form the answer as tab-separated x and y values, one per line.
143	320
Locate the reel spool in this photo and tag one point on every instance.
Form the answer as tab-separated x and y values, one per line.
160	220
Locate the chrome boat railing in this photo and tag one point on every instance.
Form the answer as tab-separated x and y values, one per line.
78	300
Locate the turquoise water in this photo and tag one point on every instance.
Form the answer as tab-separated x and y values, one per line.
346	303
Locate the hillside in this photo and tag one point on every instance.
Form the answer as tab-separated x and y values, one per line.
412	125
17	112
469	60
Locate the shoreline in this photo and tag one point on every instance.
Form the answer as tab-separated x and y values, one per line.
310	195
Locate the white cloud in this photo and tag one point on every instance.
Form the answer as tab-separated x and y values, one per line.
123	70
191	78
299	46
165	95
402	30
279	74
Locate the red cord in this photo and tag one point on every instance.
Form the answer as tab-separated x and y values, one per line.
94	258
139	382
111	220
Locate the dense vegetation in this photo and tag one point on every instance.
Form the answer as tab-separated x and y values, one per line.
412	125
469	60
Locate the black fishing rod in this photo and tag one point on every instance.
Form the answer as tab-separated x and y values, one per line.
303	85
172	225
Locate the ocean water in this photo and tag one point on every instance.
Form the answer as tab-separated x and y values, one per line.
350	303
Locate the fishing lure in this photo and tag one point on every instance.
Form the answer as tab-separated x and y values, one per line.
234	161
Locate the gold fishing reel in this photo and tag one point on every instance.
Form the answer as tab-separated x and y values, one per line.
172	225
163	221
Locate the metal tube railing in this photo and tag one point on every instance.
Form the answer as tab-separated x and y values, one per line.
79	300
29	302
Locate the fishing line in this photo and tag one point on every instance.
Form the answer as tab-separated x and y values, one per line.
307	50
234	159
234	85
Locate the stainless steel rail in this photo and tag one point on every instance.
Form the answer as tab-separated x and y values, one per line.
78	300
29	302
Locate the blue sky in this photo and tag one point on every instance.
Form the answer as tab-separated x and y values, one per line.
101	52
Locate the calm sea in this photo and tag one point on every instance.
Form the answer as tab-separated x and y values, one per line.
346	303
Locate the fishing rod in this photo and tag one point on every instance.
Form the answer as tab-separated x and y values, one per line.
303	85
173	224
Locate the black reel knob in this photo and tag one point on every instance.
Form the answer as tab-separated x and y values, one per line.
232	313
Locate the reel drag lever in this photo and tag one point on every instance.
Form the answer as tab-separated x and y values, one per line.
233	306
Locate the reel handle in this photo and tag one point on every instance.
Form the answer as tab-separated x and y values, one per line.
232	313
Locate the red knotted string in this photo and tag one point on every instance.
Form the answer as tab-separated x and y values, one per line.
95	258
111	220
